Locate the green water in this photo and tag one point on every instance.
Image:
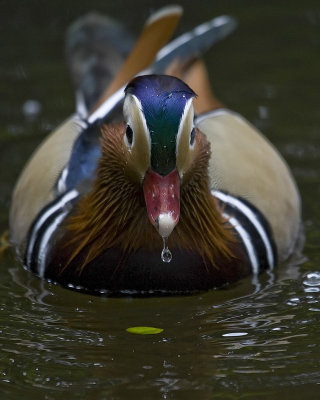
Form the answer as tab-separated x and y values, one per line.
257	339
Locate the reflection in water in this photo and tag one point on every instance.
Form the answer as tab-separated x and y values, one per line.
67	340
312	281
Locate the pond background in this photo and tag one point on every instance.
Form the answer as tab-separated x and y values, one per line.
255	339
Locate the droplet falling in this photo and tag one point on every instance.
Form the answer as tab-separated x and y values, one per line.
166	255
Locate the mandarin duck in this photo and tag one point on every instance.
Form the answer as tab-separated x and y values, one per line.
182	195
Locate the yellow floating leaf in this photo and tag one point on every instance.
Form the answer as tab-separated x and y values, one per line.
144	330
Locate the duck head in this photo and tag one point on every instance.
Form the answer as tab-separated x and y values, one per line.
159	138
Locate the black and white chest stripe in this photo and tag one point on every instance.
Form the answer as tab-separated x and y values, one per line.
43	229
251	226
252	229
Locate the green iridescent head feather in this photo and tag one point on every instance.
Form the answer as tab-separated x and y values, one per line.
163	99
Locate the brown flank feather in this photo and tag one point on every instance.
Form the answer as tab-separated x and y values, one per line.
113	214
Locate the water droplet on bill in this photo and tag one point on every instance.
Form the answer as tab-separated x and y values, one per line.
166	255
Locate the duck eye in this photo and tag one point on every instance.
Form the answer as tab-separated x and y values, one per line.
192	136
129	135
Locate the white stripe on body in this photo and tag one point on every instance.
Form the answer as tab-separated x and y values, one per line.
44	217
252	218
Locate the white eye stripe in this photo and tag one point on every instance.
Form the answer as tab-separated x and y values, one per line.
134	117
184	149
186	119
